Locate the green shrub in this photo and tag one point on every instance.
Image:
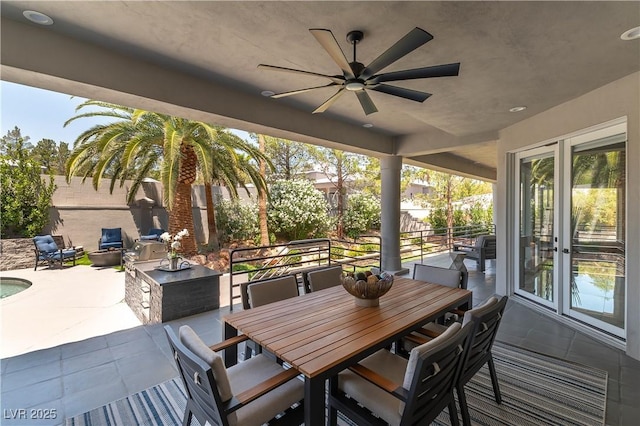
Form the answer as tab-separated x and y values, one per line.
362	214
236	220
297	210
25	196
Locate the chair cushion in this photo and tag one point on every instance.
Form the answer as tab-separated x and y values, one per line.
388	365
437	275
45	243
264	292
324	278
192	341
253	371
468	316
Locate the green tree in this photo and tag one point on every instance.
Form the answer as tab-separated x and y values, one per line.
290	159
46	153
341	168
63	156
14	140
139	142
26	196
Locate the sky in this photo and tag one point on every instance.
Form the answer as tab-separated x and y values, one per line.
41	114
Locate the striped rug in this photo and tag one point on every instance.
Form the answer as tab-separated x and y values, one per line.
536	390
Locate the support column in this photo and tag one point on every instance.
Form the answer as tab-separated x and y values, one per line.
390	168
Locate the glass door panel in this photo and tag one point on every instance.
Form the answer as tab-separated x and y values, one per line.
537	264
597	290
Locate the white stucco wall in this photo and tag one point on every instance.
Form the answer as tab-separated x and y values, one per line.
612	101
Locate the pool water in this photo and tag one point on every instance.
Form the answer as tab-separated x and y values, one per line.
11	286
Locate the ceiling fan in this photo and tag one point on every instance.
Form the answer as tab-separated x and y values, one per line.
358	79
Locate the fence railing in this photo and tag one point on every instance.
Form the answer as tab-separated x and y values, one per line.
418	244
364	252
293	258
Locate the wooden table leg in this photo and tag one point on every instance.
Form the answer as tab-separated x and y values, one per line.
314	402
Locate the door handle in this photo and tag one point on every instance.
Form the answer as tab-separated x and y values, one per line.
565	251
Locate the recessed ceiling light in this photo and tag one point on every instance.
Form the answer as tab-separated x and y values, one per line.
367	125
267	93
631	34
37	17
517	109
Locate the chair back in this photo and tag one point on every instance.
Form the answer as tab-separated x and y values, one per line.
486	319
488	244
111	238
203	397
436	275
320	279
272	290
45	244
431	374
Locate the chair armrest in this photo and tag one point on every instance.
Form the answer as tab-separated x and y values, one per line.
233	341
383	383
463	246
417	337
260	389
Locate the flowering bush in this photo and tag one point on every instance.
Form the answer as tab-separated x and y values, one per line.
297	210
362	214
173	242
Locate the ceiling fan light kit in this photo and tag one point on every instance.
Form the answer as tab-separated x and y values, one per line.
358	78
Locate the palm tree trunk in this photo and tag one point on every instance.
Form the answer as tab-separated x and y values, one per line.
213	242
181	215
262	198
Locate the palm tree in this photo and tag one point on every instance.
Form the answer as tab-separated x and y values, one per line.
139	142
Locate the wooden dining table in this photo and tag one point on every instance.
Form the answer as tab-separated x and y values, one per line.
324	332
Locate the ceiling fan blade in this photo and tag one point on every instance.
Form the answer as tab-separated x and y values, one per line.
367	104
295	92
448	70
414	39
335	78
330	44
401	92
329	102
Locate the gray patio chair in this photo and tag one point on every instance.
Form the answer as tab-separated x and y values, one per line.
437	275
320	279
486	320
250	393
260	293
400	391
47	250
483	250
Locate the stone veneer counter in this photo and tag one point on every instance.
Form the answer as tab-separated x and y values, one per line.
158	296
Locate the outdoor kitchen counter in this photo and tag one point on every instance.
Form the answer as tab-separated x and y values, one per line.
158	296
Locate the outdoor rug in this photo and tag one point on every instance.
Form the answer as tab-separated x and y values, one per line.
536	390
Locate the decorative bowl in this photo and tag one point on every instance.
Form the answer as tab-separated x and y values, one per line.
367	288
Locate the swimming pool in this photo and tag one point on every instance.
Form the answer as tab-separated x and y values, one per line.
10	286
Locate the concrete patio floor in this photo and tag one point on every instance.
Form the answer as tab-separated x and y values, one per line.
80	347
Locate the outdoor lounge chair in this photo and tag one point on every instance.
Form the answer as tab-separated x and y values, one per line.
48	251
484	249
111	238
153	235
250	393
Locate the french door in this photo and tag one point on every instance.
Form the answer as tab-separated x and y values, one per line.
571	229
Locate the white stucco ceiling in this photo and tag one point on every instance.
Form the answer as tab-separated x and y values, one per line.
537	54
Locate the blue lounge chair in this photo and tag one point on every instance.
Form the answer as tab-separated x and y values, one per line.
111	238
47	251
153	235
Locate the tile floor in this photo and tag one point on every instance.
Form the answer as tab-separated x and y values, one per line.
75	377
